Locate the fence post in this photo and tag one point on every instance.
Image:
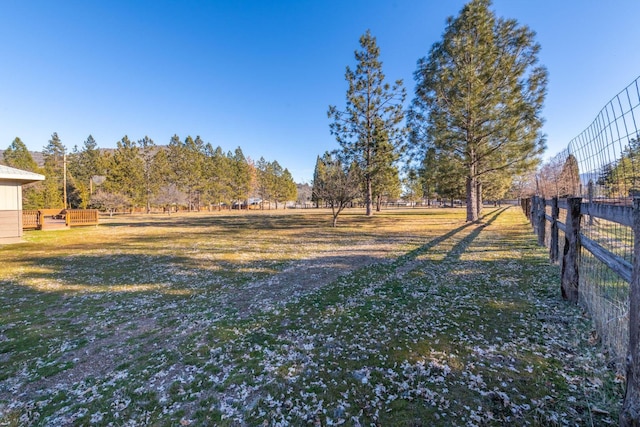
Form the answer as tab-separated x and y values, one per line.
542	221
630	413
534	214
525	207
555	213
571	258
590	200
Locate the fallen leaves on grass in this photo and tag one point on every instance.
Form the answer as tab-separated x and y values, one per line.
463	330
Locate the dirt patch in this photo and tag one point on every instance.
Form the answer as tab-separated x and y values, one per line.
305	276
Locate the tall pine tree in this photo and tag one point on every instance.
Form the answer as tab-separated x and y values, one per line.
18	156
54	169
479	93
125	175
150	173
374	108
83	166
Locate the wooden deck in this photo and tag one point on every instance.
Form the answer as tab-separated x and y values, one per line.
58	219
54	224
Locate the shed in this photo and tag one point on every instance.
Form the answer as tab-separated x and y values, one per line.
11	181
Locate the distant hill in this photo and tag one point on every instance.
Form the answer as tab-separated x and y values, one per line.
36	155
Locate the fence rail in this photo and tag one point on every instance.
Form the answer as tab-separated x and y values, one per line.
30	219
613	213
76	217
55	218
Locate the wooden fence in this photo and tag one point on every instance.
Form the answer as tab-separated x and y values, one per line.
578	215
30	219
535	208
75	217
42	219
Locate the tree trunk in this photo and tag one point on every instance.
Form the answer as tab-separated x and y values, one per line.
472	199
369	197
479	197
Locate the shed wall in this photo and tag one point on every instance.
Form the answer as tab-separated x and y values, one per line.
10	210
10	196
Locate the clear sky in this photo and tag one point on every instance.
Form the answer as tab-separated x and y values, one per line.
261	74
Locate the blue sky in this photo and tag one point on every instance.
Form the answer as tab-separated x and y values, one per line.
261	74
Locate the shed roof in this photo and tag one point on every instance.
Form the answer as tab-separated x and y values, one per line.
13	174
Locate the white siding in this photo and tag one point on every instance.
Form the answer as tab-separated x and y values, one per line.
10	196
10	224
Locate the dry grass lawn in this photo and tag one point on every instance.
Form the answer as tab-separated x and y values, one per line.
412	317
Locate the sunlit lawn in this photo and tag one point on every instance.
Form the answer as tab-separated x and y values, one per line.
412	317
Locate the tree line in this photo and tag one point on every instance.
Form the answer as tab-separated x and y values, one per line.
140	174
472	130
472	127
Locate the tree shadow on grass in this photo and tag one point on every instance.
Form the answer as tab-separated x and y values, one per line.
459	248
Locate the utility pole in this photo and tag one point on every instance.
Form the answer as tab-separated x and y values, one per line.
64	178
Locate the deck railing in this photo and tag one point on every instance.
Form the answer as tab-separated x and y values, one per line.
76	217
38	219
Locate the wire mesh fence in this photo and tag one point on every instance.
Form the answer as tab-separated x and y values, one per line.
602	165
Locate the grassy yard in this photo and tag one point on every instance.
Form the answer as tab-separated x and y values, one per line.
409	318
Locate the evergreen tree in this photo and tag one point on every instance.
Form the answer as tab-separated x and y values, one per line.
216	176
17	155
264	181
373	108
318	174
429	174
413	187
450	177
54	158
480	94
569	179
196	179
283	187
618	178
84	165
90	160
275	175
240	176
162	191
386	176
288	190
125	176
496	186
150	173
387	185
187	163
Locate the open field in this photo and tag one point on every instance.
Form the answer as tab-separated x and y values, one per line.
412	317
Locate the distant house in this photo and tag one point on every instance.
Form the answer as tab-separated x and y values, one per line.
11	181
